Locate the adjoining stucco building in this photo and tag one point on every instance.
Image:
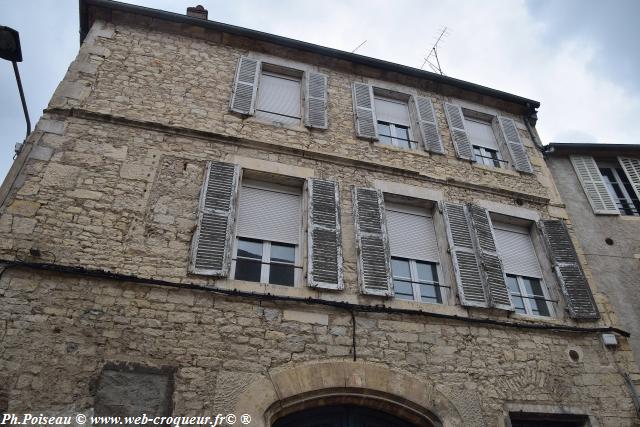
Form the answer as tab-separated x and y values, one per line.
600	185
209	219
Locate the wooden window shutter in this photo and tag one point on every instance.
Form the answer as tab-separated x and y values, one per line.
575	287
467	269
366	126
514	144
315	112
325	239
593	185
211	246
374	259
461	141
491	266
245	85
428	124
631	168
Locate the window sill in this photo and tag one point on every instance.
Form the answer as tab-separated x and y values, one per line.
296	128
497	170
629	218
419	150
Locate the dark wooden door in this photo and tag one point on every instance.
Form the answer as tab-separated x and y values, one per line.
341	416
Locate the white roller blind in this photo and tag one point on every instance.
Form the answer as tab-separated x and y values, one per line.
269	214
516	250
411	234
481	133
281	95
388	110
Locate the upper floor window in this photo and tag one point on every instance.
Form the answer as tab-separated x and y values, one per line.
394	123
483	141
279	97
268	234
522	268
612	185
415	260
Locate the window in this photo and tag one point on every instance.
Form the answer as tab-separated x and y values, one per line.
393	122
268	234
279	97
520	263
484	142
415	261
619	187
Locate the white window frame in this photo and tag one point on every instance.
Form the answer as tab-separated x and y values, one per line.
526	298
613	164
281	75
415	282
485	158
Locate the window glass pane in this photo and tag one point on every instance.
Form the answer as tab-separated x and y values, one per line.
281	274
533	286
400	268
430	293
283	253
539	307
518	303
384	133
512	282
248	270
249	249
403	290
427	272
402	136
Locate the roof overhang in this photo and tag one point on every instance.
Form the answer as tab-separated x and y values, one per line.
86	22
564	149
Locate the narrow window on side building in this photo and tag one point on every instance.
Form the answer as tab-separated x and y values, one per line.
619	186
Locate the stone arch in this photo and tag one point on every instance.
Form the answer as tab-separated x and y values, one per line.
294	387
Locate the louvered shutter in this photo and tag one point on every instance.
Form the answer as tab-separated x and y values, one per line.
374	260
325	241
491	265
428	125
593	185
631	167
315	113
514	144
211	247
575	288
461	141
245	86
366	126
468	276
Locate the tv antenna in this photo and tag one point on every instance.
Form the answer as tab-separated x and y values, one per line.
359	46
432	58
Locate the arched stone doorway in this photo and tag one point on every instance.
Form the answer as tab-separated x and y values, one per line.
342	416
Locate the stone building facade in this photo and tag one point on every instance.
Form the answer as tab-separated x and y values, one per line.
396	233
606	217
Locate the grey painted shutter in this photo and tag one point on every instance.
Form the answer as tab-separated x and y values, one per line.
492	271
515	145
631	167
374	259
325	241
580	302
428	125
245	86
465	262
315	113
211	246
366	126
461	141
593	185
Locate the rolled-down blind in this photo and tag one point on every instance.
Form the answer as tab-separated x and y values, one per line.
516	250
411	235
279	98
392	111
269	214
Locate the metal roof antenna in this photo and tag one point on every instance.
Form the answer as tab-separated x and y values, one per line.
432	57
359	46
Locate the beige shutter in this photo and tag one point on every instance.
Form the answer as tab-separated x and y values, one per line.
245	86
325	240
428	125
315	114
575	287
211	246
465	262
593	185
366	125
631	168
461	141
491	265
374	260
514	144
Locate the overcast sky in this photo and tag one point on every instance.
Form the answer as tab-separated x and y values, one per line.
579	58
